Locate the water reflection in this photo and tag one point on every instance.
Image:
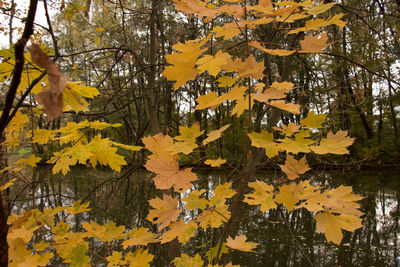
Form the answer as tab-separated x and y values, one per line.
284	240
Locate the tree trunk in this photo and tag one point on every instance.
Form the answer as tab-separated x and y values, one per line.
154	127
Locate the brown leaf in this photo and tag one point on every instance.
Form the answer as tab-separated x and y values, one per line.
38	56
52	99
52	103
57	79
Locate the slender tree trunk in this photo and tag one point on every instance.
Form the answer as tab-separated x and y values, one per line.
154	127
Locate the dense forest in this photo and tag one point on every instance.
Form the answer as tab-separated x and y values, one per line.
171	89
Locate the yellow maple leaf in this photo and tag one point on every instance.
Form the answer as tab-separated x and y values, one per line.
289	129
242	104
320	8
140	237
214	135
160	145
334	143
276	91
181	230
169	175
264	140
226	81
107	232
213	218
165	211
239	243
263	195
275	52
183	62
31	161
140	258
186	261
314	43
195	201
226	32
290	107
293	168
209	100
291	194
215	162
295	145
43	136
313	121
221	193
212	64
332	225
188	137
74	95
7	185
116	259
235	93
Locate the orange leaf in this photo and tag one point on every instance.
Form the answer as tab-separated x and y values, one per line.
169	175
165	211
239	243
293	168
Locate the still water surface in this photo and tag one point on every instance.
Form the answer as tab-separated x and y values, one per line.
123	199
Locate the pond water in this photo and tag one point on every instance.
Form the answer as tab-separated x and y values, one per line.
122	198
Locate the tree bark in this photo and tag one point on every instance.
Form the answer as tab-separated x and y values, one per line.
154	127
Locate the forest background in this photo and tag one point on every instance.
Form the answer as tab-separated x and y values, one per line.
117	52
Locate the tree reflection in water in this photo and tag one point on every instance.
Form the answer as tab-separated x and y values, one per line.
124	201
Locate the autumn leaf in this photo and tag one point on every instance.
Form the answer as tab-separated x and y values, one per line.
334	144
300	143
140	237
332	225
213	218
290	107
78	207
212	64
226	81
275	52
169	175
221	193
140	258
181	230
239	243
187	261
160	145
263	195
314	44
183	62
209	100
52	100
188	139
313	121
31	161
320	8
116	259
289	129
7	185
293	168
214	135
215	162
165	211
291	194
264	140
276	91
107	232
195	201
242	104
248	68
